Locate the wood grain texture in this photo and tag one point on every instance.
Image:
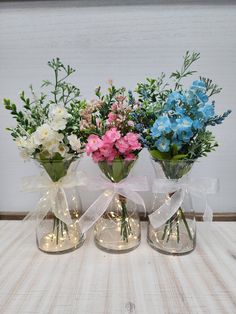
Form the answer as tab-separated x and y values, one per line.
89	281
143	217
88	3
126	43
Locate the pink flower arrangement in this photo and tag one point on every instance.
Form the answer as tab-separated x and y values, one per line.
113	145
109	126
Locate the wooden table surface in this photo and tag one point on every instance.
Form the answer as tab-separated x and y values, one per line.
89	281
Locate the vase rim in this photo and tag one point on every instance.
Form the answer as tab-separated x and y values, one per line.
117	160
175	161
51	160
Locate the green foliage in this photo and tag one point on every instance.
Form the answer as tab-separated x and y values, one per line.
108	99
36	108
189	59
203	143
211	88
63	91
153	95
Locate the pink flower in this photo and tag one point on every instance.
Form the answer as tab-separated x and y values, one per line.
130	123
132	139
120	98
88	150
111	136
111	117
122	145
114	106
97	156
83	125
107	149
94	143
112	155
130	156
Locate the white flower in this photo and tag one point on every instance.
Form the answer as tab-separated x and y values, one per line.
58	117
58	112
57	125
44	133
21	142
74	142
62	150
52	147
48	139
26	145
25	154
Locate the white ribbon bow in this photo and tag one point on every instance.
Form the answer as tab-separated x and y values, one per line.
54	196
127	188
198	187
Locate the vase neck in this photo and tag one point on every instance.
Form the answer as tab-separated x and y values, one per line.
172	169
57	169
116	170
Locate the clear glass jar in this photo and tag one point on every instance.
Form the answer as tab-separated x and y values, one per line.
178	235
54	235
118	230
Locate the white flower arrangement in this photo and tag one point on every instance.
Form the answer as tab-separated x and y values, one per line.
49	126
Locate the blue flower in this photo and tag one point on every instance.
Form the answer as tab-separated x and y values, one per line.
207	111
186	135
175	97
199	88
197	125
174	127
199	85
161	125
163	144
190	97
202	97
139	127
184	124
179	110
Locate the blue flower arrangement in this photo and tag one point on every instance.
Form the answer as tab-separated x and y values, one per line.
173	121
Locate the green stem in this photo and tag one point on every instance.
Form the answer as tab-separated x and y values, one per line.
67	230
57	234
170	230
185	223
164	233
54	224
62	223
177	227
56	82
125	230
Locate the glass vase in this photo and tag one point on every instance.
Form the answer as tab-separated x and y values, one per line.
118	230
177	236
54	235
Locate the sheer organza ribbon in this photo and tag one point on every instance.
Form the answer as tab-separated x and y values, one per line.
54	195
197	187
128	188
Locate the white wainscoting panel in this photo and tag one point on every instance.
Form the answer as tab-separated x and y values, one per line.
126	43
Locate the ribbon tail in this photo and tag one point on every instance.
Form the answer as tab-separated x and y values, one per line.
41	209
208	213
95	211
167	210
59	205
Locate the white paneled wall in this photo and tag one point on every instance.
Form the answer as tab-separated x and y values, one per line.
126	43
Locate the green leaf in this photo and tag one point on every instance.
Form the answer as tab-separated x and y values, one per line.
179	157
156	154
117	168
